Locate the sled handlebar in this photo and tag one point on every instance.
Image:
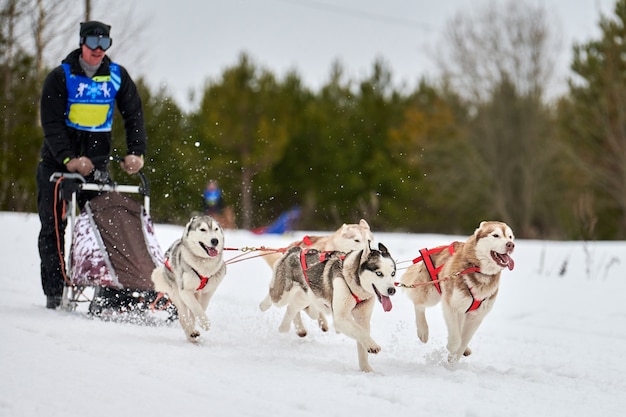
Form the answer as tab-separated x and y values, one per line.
145	186
102	184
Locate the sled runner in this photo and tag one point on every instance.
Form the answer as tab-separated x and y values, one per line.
113	248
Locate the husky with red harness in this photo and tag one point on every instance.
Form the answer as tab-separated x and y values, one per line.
193	269
349	237
466	276
347	285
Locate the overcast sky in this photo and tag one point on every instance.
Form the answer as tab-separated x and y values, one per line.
184	42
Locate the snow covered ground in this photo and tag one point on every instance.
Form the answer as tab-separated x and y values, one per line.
552	346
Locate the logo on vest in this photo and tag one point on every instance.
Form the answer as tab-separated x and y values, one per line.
94	90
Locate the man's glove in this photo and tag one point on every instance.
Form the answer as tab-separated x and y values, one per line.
132	163
82	165
69	187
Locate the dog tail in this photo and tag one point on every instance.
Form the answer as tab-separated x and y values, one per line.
161	281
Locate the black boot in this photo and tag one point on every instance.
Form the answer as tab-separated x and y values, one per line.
53	301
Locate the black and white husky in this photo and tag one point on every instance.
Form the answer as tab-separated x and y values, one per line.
193	270
346	285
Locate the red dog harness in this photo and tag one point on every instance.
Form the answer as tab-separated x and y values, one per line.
433	272
324	256
475	303
203	279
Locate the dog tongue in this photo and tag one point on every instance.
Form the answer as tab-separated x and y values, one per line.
510	263
212	251
386	302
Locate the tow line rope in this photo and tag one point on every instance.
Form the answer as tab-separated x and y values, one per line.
436	281
246	253
433	271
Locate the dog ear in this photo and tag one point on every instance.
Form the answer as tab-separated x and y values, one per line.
365	253
383	249
188	227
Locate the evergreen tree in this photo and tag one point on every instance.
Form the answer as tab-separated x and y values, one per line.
594	120
241	118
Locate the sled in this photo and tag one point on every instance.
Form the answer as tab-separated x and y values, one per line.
283	224
113	248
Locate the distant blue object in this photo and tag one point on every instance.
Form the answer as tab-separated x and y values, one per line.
212	198
283	224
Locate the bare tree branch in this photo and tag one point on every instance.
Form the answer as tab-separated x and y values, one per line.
512	41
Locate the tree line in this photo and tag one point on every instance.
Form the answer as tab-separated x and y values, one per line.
480	143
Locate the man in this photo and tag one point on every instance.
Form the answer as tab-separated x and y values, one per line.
77	105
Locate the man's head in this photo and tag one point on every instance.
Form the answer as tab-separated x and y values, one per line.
94	41
94	28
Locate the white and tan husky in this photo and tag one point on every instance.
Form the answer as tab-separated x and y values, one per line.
193	270
348	237
465	276
344	285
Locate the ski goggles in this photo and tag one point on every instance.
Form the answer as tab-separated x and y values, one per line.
95	42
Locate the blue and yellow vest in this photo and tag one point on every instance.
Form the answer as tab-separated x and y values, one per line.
91	101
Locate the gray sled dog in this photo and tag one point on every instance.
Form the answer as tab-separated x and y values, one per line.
194	268
345	285
349	237
465	276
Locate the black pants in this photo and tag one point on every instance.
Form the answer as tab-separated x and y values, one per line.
52	233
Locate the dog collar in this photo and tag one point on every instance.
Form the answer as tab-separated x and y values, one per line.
203	280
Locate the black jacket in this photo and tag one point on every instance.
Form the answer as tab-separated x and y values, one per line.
61	141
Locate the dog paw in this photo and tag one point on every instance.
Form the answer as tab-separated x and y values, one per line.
301	333
423	335
374	348
467	351
204	323
194	336
453	358
323	324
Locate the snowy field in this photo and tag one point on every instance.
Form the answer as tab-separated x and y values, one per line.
552	346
